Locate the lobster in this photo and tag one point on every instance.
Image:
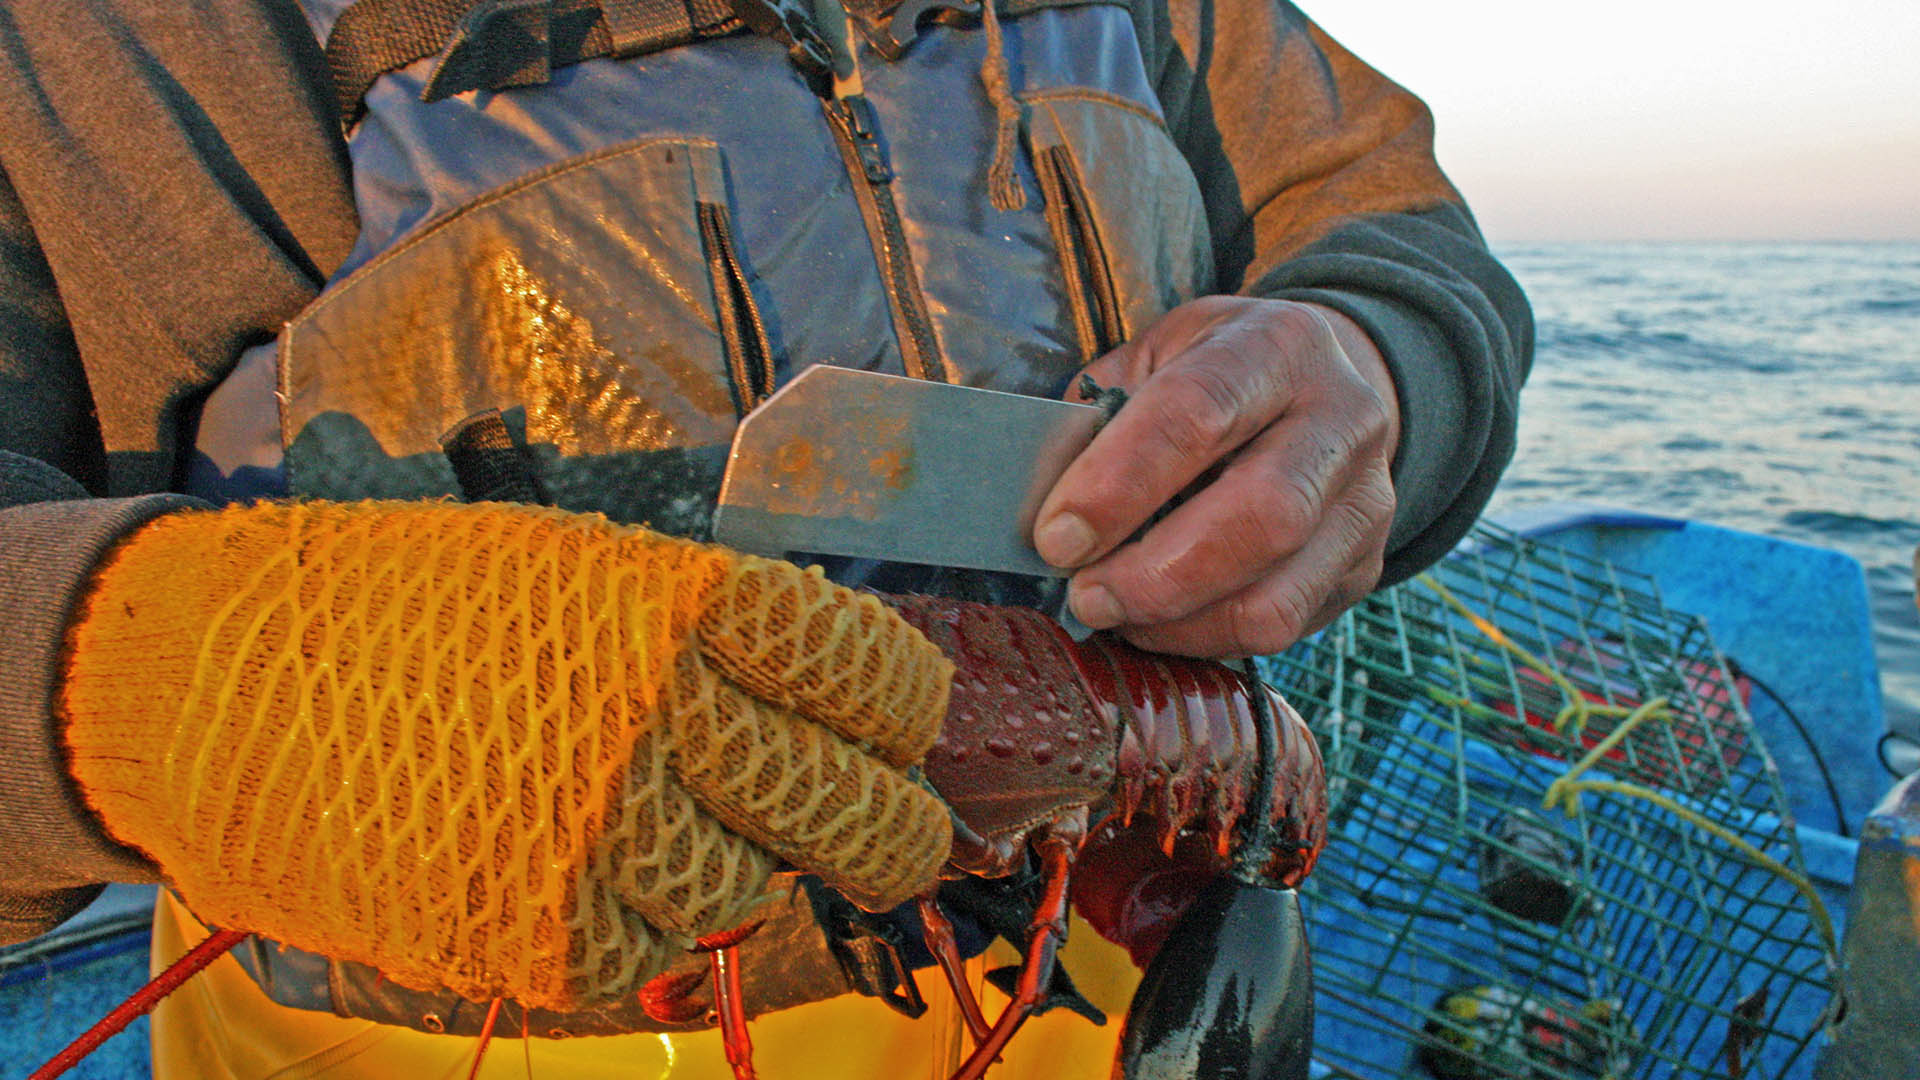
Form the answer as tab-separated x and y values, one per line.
1069	750
1058	746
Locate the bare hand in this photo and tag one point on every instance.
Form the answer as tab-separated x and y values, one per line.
1283	418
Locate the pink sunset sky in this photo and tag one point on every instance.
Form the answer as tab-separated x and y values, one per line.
1674	120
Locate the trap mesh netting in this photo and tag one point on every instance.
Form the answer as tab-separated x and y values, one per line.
1558	848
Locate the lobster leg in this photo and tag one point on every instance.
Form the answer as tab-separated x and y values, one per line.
938	934
728	1000
1057	845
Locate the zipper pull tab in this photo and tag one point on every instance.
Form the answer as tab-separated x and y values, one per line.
791	23
864	126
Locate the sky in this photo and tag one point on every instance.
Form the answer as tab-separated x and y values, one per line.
1674	120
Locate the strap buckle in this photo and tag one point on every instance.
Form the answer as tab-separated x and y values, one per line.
505	43
790	23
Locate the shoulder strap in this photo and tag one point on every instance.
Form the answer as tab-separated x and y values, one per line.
492	44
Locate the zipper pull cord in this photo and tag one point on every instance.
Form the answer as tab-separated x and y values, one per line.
1004	189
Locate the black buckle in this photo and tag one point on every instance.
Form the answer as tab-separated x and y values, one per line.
790	23
505	43
869	951
892	36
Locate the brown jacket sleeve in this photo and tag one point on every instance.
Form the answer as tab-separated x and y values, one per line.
1321	185
172	187
53	852
178	173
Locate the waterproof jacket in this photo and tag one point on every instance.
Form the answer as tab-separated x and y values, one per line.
177	189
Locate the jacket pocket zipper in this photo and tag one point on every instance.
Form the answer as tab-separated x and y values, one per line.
742	332
856	129
1083	258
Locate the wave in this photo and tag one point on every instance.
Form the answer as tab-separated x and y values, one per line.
1669	350
1840	523
1797	360
1901	306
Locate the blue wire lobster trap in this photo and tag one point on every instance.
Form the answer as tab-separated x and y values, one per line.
1559	849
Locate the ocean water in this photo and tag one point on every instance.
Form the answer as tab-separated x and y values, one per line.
1771	388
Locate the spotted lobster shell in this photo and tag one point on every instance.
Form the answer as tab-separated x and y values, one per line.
1040	724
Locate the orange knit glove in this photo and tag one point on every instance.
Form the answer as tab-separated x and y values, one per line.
512	751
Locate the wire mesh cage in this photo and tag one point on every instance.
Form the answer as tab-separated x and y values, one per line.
1559	850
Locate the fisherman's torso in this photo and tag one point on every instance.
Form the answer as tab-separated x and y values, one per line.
626	258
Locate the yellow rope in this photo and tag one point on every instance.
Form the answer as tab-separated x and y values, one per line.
1570	795
1577	706
1656	707
1565	791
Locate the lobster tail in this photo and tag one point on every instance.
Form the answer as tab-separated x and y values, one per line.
1039	723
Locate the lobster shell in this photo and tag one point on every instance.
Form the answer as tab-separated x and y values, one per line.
1040	725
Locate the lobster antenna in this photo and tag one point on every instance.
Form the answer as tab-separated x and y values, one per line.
486	1037
141	1002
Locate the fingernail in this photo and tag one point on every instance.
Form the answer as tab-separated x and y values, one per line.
1064	540
1095	606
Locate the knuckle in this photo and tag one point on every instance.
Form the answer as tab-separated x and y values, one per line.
1157	593
1356	586
1376	498
1364	524
1295	321
1296	336
1202	410
1361	519
1256	531
1273	621
1216	305
1374	424
1354	426
1361	438
1362	427
1347	590
1296	505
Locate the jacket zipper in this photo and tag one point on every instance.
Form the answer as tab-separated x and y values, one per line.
856	129
743	334
1083	258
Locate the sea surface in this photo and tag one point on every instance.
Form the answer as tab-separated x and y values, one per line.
1770	388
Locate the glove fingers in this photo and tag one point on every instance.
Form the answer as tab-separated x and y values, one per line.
609	948
842	658
804	793
676	866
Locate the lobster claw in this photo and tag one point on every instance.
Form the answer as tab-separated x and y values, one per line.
1229	995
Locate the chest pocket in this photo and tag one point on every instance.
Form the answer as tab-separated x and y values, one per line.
604	301
1126	215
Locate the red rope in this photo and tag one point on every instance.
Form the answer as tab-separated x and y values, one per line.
141	1002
